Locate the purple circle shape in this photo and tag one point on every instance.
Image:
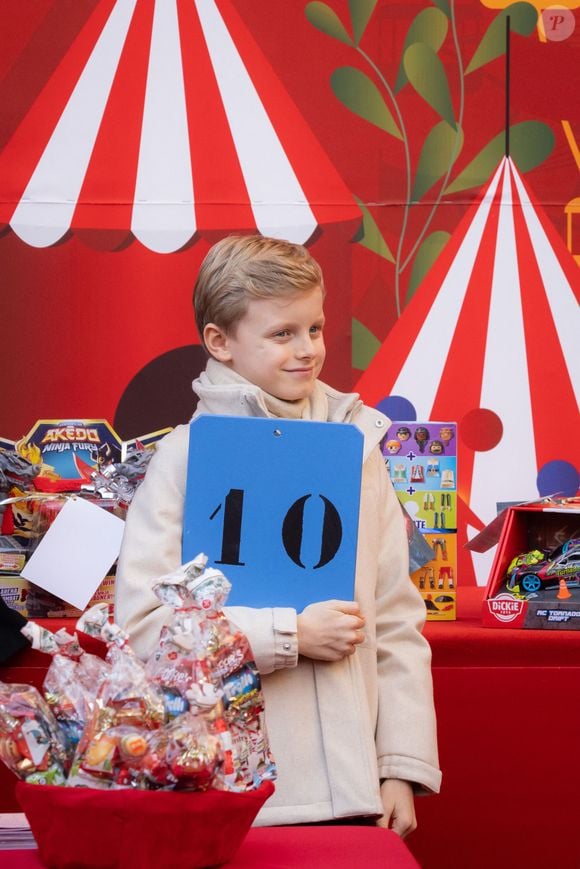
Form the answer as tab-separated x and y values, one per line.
397	408
558	477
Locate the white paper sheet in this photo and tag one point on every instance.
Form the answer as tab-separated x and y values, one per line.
76	553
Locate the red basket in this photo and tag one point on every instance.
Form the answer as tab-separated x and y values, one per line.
96	829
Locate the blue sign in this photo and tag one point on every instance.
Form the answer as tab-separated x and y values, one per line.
274	504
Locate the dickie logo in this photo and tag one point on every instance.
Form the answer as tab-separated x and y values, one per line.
505	607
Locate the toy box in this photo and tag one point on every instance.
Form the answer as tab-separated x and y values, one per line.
421	458
535	576
35	603
58	459
13	554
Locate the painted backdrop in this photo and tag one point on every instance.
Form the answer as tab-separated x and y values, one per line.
428	153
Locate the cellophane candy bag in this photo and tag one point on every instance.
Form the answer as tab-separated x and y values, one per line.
125	699
232	665
31	742
204	664
71	682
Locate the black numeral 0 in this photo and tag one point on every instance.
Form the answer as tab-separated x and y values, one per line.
292	530
293	526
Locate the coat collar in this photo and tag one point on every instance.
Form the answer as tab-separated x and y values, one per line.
246	399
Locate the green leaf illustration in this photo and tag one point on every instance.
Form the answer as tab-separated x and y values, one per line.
427	75
325	19
360	13
369	235
531	142
440	149
523	19
428	252
364	345
443	5
358	93
429	26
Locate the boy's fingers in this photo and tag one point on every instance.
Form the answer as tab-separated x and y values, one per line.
357	624
349	607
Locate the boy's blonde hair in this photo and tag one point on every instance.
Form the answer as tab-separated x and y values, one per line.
243	267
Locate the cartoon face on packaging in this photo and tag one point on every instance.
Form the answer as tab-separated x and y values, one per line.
393	446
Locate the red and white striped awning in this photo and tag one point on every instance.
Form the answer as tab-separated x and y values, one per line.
165	120
493	333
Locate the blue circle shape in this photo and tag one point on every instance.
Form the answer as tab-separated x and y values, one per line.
558	477
397	408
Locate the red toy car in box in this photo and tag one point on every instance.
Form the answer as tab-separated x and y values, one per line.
561	563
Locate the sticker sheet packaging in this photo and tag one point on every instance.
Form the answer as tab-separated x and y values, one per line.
421	458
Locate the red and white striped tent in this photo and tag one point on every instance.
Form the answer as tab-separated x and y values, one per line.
164	120
492	340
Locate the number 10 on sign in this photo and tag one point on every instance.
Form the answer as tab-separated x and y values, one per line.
274	504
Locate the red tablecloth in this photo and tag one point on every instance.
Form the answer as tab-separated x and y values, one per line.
292	847
507	706
467	643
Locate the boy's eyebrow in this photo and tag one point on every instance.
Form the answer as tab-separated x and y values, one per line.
278	325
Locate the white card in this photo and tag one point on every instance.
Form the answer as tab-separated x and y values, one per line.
76	553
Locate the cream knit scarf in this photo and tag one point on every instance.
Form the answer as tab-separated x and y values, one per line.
218	377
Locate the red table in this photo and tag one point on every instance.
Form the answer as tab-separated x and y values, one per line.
291	847
508	703
508	706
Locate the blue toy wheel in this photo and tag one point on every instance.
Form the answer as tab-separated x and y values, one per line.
531	582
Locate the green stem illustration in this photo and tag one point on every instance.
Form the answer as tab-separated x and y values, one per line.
454	154
405	140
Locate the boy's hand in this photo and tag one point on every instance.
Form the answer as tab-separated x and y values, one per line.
398	806
330	630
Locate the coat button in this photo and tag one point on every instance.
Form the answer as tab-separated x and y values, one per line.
286	647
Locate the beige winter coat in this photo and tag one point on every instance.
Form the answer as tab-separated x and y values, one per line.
336	729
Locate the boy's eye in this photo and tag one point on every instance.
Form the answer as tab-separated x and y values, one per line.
283	333
317	328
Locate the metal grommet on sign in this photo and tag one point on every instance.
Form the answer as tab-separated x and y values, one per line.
277	433
379	423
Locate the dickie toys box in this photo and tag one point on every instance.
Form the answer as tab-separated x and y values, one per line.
535	576
421	458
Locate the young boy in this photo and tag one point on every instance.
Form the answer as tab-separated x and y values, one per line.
347	684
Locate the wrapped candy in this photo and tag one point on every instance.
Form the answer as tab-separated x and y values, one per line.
193	754
31	743
124	698
116	756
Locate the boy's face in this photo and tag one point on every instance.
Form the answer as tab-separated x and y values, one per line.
278	344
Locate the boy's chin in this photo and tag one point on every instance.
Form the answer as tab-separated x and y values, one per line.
295	394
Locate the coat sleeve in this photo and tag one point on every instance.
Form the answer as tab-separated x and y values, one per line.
406	737
152	547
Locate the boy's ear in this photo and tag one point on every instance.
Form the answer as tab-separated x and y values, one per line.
216	341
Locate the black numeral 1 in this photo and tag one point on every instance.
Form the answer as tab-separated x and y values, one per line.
232	531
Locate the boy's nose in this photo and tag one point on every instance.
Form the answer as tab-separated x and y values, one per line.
305	347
